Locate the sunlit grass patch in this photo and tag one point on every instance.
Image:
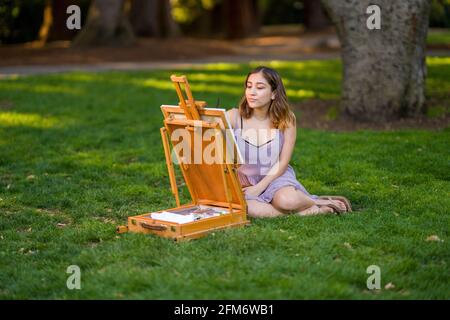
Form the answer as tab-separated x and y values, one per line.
12	119
437	61
40	88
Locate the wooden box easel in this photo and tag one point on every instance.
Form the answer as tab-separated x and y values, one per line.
214	185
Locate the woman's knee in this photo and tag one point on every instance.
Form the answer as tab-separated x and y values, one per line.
252	211
261	210
292	200
284	201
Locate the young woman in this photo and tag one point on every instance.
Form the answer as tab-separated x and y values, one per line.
265	131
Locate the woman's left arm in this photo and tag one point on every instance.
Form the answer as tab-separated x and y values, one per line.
290	136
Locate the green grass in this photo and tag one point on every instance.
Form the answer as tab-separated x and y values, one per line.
438	37
84	150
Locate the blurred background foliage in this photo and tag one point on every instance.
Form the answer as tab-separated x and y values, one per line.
22	20
440	14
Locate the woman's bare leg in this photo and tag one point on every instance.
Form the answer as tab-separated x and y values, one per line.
291	200
305	205
257	209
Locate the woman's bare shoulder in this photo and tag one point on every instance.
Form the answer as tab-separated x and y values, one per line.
292	124
232	111
232	115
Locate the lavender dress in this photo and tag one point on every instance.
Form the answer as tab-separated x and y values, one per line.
258	161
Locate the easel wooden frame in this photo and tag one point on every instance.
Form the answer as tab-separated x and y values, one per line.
208	184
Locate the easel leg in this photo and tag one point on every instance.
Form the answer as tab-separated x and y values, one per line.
169	163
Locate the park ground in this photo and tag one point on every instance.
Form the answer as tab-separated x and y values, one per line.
81	151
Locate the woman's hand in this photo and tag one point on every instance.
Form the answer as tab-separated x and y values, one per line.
255	190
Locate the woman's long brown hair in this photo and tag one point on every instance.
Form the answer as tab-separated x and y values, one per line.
280	112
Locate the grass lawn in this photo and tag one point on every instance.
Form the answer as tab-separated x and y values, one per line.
81	152
438	37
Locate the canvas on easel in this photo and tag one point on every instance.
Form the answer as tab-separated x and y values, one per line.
209	168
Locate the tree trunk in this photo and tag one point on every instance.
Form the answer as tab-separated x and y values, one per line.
153	18
143	18
217	19
168	26
54	23
106	25
315	17
384	69
256	15
47	22
241	18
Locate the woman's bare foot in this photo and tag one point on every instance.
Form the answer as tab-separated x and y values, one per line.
323	202
316	210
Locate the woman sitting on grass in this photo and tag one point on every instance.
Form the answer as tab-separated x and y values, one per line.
265	131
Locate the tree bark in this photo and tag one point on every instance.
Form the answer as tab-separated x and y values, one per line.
106	25
241	17
256	15
217	19
315	17
168	26
54	23
153	18
210	22
384	69
143	18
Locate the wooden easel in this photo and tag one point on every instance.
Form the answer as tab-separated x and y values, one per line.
208	184
191	110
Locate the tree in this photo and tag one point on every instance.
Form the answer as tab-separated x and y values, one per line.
384	69
315	17
152	18
107	24
54	20
242	18
207	19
